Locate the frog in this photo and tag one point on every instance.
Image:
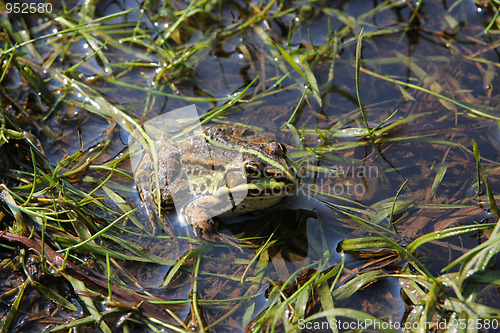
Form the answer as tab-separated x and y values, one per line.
223	170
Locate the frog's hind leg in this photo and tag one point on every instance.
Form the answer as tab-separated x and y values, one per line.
157	217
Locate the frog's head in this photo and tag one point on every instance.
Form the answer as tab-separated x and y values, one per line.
269	170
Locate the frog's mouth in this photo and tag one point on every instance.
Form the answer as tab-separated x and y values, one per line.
261	187
269	187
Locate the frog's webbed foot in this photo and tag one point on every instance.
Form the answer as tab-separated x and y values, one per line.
207	230
205	227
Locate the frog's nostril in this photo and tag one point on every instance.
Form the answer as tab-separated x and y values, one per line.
275	174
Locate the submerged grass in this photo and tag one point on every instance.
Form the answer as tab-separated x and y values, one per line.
73	236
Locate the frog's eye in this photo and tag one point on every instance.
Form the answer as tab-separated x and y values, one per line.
252	169
275	149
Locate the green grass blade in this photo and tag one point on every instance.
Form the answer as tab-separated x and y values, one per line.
358	93
489	192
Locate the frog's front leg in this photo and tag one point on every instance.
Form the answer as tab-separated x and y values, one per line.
197	214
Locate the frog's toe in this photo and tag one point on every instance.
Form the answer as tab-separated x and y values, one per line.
207	230
229	239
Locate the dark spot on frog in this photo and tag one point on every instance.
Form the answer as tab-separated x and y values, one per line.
275	149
